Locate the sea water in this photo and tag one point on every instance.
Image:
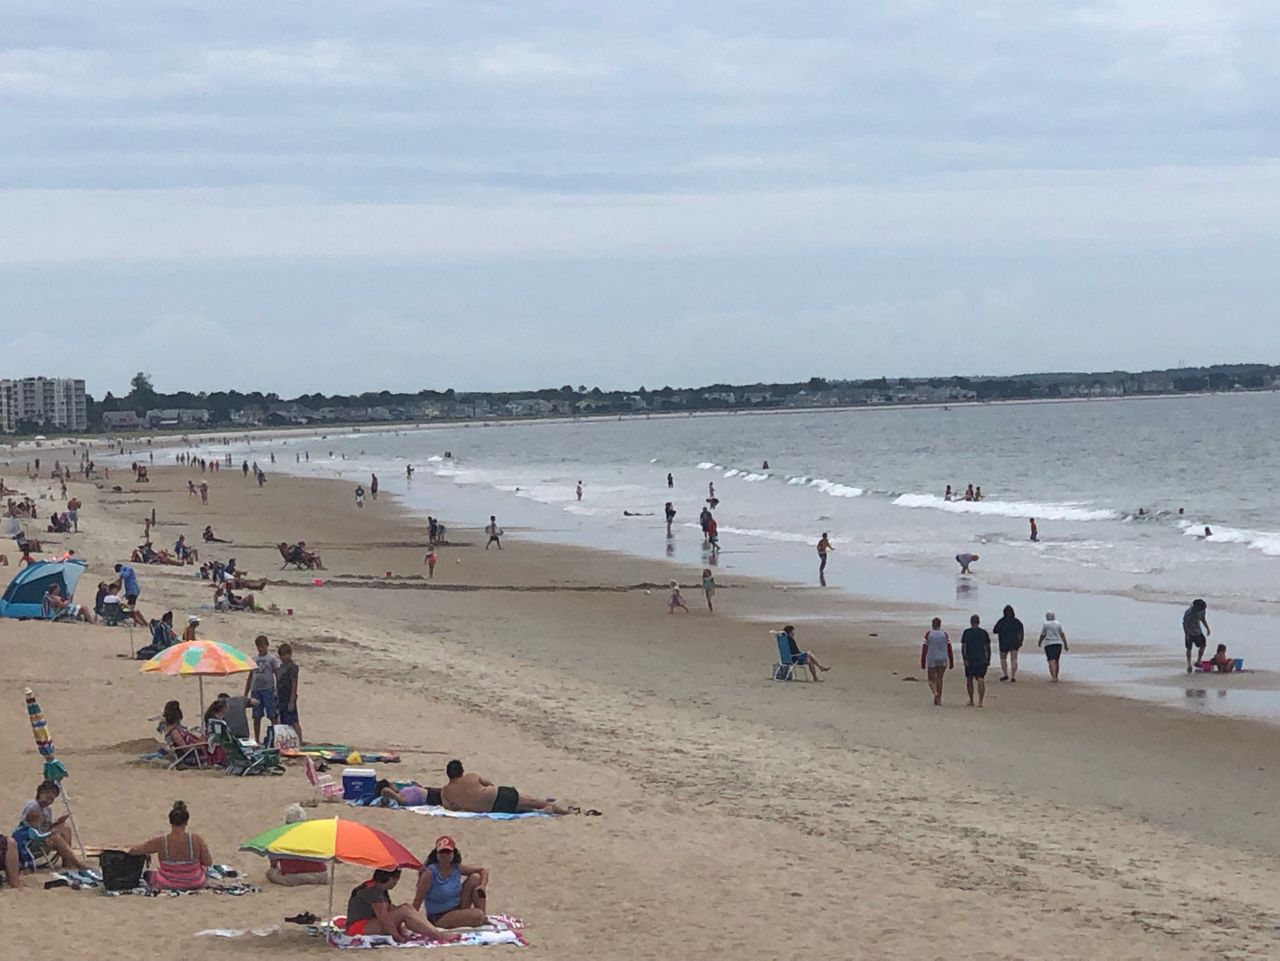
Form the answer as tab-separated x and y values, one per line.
1121	492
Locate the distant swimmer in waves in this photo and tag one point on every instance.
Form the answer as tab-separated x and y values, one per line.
764	466
711	489
671	516
964	560
968	493
579	490
977	494
1035	531
947	495
1207	533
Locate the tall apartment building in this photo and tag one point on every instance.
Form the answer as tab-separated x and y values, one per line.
50	401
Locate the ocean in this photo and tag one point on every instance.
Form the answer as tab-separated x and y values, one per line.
1121	491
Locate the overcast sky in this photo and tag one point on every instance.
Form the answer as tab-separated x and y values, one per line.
339	197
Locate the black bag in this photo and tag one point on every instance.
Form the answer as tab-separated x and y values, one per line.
121	871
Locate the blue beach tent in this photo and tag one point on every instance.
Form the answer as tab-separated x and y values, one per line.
25	592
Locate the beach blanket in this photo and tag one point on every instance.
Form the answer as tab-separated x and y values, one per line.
503	929
222	880
439	812
338	754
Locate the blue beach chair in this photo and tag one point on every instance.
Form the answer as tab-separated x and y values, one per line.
785	668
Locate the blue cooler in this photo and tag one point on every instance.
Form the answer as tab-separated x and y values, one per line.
358	782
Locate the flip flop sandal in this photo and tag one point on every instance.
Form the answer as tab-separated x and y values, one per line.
592	813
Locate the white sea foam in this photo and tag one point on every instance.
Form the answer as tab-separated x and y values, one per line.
707	465
732	472
1265	542
796	481
1048	512
834	489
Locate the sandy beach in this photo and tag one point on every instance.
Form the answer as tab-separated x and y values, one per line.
741	817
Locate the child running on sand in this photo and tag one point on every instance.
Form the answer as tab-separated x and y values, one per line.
430	561
676	600
709	588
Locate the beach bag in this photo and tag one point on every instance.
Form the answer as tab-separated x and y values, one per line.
121	871
282	737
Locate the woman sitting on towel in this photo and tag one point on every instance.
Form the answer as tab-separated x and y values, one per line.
183	857
409	795
450	893
370	911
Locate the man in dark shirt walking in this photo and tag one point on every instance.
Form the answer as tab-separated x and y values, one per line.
975	649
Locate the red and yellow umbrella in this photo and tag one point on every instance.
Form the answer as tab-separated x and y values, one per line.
334	839
201	659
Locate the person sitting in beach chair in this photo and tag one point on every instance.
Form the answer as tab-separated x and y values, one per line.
55	607
182	746
188	555
183	857
162	637
301	558
236	716
471	792
39	834
790	657
242	761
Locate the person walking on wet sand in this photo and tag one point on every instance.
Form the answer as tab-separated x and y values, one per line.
709	588
494	532
824	548
1010	632
671	516
1054	641
373	486
359	495
671	481
1193	620
936	657
579	490
430	560
975	651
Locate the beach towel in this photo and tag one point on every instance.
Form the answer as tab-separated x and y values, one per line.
504	930
338	754
237	932
439	812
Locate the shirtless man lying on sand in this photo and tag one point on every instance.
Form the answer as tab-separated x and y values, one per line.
471	792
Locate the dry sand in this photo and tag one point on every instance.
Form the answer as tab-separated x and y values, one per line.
742	817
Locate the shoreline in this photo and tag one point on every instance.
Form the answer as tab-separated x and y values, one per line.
904	825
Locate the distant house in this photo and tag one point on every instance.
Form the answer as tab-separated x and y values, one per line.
122	420
721	396
167	417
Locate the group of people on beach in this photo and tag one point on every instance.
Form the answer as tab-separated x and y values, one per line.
937	654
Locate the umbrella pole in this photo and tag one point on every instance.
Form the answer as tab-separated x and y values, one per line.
200	678
328	918
75	831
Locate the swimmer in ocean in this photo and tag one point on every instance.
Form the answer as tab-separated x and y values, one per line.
964	560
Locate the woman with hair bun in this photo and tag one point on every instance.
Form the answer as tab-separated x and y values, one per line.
183	856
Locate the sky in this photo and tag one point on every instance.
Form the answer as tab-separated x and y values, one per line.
299	197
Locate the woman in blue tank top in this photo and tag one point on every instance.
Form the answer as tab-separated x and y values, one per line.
452	894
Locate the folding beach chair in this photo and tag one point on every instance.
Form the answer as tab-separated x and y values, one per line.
189	755
785	667
326	787
242	762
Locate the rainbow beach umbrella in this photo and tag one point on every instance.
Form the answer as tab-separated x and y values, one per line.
334	839
201	659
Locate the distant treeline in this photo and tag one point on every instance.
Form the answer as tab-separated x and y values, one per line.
184	408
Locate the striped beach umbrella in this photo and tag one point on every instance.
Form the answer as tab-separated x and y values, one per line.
201	659
334	839
54	770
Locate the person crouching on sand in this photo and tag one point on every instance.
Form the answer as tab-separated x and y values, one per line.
936	657
676	600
